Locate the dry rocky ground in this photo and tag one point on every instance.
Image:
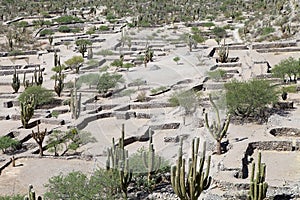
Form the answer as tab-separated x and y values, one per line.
282	166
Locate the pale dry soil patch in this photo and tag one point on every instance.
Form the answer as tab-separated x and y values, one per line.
15	180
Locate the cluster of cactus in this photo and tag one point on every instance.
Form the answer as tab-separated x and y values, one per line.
27	110
59	81
216	129
223	53
117	161
189	186
39	137
15	82
36	79
151	162
258	186
75	102
31	194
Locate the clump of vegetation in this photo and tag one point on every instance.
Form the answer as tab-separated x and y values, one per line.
7	143
176	59
157	90
287	69
217	75
108	81
188	100
41	95
250	99
105	52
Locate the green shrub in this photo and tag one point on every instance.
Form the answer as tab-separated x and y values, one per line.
41	95
159	89
290	89
208	24
108	81
217	74
89	79
64	29
186	99
15	197
105	52
266	30
46	32
7	142
77	185
54	113
103	28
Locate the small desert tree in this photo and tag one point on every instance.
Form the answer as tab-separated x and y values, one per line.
108	81
75	62
40	94
39	137
186	99
82	45
289	67
250	98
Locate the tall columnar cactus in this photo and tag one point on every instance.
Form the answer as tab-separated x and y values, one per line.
258	186
216	129
151	162
26	83
27	110
39	137
75	102
31	194
223	54
55	58
40	79
15	82
38	76
59	82
190	42
117	161
189	186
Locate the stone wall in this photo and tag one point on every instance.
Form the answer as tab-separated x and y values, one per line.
274	45
284	131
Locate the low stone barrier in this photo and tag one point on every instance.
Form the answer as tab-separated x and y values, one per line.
53	121
285	131
293	49
274	45
148	105
226	65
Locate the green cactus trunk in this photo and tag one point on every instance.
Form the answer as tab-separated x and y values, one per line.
31	194
75	102
59	82
27	111
151	162
117	161
15	82
216	129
